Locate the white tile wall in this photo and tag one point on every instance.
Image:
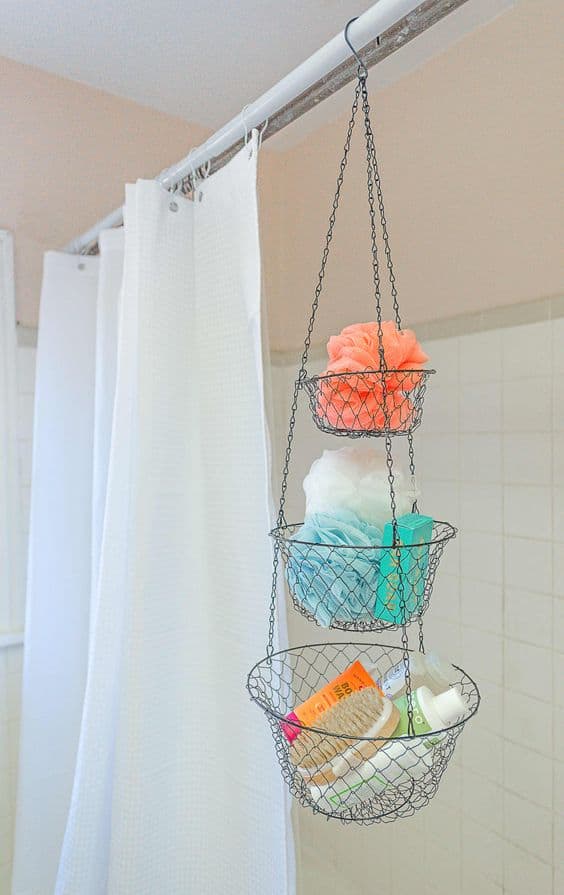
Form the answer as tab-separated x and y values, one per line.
491	460
11	656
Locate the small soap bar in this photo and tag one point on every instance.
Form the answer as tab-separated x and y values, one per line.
408	572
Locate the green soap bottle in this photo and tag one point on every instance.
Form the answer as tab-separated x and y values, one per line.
430	713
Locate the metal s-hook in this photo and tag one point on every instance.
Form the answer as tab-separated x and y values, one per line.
362	70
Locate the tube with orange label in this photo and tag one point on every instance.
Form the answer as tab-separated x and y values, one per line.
354	678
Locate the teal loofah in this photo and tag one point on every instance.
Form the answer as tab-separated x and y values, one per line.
334	584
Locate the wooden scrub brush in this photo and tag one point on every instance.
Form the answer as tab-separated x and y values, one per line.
324	758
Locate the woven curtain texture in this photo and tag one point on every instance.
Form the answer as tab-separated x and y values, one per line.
255	844
111	246
59	568
177	790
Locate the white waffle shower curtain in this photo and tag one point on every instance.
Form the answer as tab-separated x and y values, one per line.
176	790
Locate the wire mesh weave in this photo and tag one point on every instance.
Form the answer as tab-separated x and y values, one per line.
361	588
368	403
361	779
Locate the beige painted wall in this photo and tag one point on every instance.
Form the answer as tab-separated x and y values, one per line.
470	150
66	151
469	155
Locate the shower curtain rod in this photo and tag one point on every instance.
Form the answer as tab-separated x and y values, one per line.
377	33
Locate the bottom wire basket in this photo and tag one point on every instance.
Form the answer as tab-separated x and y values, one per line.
363	779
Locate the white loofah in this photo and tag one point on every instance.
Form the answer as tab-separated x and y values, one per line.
356	478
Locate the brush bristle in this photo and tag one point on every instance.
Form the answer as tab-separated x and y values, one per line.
351	717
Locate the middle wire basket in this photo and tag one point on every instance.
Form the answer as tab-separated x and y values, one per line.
354	588
362	779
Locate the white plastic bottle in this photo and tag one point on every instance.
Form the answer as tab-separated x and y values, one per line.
426	670
430	712
397	763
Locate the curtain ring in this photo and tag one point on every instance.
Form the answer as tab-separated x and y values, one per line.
261	133
173	190
193	174
204	173
243	110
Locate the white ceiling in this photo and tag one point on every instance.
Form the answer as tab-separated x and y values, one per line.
201	60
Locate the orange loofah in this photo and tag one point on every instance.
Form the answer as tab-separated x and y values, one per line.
357	402
356	348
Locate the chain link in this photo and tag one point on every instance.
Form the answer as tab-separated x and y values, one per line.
421	640
401	589
372	217
411	452
415	509
302	373
375	174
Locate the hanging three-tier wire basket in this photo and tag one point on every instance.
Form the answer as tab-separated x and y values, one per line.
363	732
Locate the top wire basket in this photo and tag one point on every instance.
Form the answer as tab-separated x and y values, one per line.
369	402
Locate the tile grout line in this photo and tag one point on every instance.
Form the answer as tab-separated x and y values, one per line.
553	651
498	318
459	564
503	625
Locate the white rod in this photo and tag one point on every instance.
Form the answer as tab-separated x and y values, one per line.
367	27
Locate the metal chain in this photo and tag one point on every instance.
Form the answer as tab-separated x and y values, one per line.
415	509
302	373
401	589
375	175
411	453
373	180
371	148
421	639
372	177
372	216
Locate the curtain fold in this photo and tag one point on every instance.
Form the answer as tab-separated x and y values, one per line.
111	245
176	788
58	589
11	578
